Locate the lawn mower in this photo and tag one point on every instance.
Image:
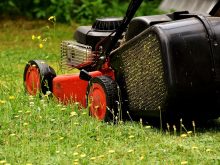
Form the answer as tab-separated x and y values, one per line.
149	66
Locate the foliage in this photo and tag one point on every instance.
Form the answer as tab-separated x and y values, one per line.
83	11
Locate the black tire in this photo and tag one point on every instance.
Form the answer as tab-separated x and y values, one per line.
46	75
106	87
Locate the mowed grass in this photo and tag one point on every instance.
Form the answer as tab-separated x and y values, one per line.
37	130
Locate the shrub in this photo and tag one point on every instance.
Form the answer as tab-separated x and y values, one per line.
82	11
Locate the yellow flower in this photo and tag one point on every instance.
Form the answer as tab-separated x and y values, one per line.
83	155
52	18
75	153
101	156
93	158
111	151
33	37
183	135
131	136
41	45
61	138
142	157
11	97
184	162
12	134
79	145
2	161
208	150
2	101
25	124
38	37
189	132
194	147
131	150
73	114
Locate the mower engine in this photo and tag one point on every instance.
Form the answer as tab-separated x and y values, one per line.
90	42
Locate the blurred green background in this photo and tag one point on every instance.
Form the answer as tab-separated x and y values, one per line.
80	11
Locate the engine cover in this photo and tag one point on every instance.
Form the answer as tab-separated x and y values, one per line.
91	35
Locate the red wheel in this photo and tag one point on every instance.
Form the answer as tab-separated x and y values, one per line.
102	98
38	77
32	80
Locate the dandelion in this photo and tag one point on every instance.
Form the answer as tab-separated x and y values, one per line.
75	153
79	145
61	138
63	109
142	157
208	150
33	37
189	132
39	37
131	150
184	162
59	105
44	40
31	104
2	101
183	135
11	97
83	155
52	120
194	147
25	124
73	114
101	156
31	97
41	45
111	151
3	161
12	134
131	136
52	18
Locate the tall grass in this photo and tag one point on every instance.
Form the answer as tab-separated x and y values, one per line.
37	130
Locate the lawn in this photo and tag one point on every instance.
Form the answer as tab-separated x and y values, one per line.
37	130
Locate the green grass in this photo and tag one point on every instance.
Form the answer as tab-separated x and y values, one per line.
40	131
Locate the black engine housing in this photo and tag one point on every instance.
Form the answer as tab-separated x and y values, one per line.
103	27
